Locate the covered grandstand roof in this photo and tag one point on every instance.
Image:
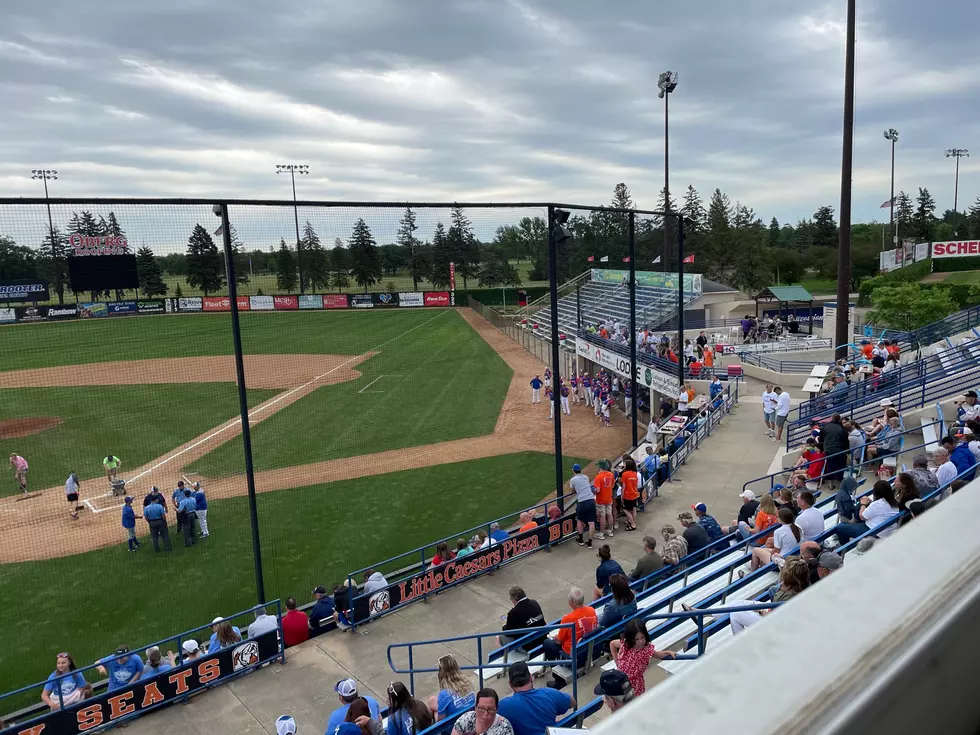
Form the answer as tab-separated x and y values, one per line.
709	286
785	293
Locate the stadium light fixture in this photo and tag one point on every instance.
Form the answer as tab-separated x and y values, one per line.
667	83
561	233
957	153
46	174
292	169
892	135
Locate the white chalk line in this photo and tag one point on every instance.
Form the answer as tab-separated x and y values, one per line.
370	384
277	399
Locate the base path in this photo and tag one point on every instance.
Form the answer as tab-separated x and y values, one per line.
520	427
13	428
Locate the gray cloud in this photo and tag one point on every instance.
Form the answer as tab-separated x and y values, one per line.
484	99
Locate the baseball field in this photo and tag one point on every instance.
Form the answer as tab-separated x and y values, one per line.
373	433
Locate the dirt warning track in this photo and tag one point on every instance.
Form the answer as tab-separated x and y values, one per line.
520	427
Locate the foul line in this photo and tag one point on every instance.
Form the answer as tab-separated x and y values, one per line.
283	396
370	384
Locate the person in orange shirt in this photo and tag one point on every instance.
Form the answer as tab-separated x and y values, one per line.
709	357
560	647
630	480
604	483
527	523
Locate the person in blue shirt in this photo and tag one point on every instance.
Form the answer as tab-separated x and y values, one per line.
347	691
188	507
65	685
536	390
156	663
202	509
323	608
156	516
123	668
708	523
715	388
607	567
496	534
531	711
455	690
176	497
650	464
215	645
129	523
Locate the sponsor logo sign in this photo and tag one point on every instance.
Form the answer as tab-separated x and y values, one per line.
62	312
31	313
955	249
151	306
361	301
285	302
92	310
243	303
413	298
437	298
193	303
335	301
459	570
311	301
100	712
102	245
692	281
650	377
121	307
385	299
216	303
261	303
31	290
7	315
452	276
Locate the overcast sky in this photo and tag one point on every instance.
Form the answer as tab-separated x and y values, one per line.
505	100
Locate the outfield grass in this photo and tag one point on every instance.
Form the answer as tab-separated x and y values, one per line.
136	422
89	603
438	383
963	278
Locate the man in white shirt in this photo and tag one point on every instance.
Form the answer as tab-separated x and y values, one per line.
810	520
682	401
945	470
769	409
585	509
263	623
968	408
782	412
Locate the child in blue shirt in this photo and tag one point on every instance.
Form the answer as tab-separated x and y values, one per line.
129	523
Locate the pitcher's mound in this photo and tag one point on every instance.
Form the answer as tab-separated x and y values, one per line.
12	428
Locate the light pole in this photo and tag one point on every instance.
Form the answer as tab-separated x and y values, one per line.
892	135
293	169
667	82
842	328
957	153
44	174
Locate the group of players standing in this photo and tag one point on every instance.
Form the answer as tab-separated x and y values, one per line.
599	391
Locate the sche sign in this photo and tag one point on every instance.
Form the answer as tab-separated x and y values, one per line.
98	245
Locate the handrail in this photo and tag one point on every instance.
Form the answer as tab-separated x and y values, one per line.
537	632
852	464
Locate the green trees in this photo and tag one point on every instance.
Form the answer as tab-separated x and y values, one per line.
462	243
909	306
365	262
316	262
204	268
287	278
150	273
53	262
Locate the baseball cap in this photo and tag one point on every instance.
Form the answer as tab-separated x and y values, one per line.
319	590
613	683
121	650
970	394
217	620
885	402
685	516
127	500
346	688
347	728
285	725
189	646
700	507
830	560
519	674
576	468
747	494
153	654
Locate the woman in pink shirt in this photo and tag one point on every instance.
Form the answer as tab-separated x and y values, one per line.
632	654
19	465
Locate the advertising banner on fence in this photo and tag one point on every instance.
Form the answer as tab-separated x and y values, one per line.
152	306
117	308
650	377
956	249
361	301
92	310
31	313
412	298
62	312
193	303
435	578
173	684
311	301
285	303
335	301
692	281
261	303
216	303
385	299
7	315
437	298
26	290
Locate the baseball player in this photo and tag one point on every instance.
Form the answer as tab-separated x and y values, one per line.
202	509
586	388
72	488
606	409
111	465
550	393
628	393
535	390
547	377
564	400
19	465
129	523
574	382
596	393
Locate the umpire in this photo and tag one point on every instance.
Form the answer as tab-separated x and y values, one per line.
188	507
155	513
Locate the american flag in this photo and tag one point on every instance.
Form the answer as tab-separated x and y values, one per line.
888	203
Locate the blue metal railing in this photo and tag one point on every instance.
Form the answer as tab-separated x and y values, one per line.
947	327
